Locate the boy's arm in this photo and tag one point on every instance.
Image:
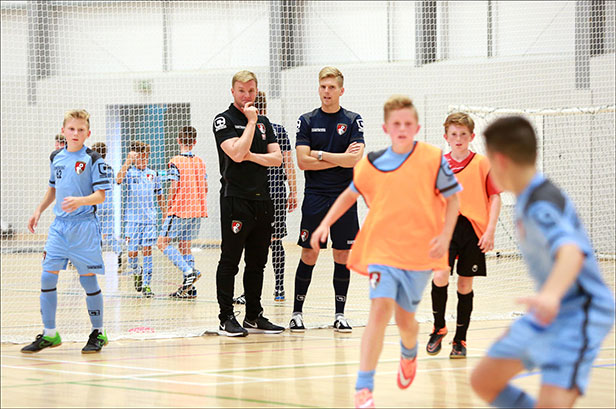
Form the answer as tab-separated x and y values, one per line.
173	189
440	244
340	206
273	157
48	198
348	159
289	170
127	164
486	242
161	203
567	266
71	203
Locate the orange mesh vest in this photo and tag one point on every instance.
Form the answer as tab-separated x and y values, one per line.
474	199
190	198
406	213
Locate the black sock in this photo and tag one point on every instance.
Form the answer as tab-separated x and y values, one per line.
278	259
439	303
465	307
342	277
303	276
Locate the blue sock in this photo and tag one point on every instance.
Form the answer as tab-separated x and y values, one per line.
147	270
408	353
190	260
49	299
133	262
512	397
176	258
365	379
94	300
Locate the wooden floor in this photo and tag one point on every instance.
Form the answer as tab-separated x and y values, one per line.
314	369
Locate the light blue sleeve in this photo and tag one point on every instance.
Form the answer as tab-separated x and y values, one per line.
446	181
173	173
353	188
158	188
557	227
102	175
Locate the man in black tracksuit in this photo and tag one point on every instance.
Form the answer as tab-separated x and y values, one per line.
246	147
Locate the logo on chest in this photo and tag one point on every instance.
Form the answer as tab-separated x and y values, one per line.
341	128
262	129
80	167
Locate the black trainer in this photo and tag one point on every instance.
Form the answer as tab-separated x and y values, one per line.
436	338
41	342
262	326
241	300
138	279
96	342
232	328
458	350
189	280
297	323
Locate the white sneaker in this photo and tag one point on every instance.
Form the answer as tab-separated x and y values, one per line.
297	323
342	325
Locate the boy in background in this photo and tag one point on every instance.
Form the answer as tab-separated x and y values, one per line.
78	181
572	312
186	205
473	236
105	212
401	241
143	185
59	142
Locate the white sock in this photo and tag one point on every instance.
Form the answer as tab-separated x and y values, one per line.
50	332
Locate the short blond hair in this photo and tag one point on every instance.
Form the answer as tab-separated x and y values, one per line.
77	114
332	72
140	147
101	148
460	119
244	76
396	102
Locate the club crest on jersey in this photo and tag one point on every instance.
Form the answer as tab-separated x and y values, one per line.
262	129
304	235
341	128
236	226
80	167
150	176
375	279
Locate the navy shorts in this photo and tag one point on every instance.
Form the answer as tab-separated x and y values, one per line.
314	209
463	246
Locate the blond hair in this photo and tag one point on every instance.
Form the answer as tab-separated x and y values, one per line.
460	119
332	72
60	138
396	102
77	114
187	136
140	147
244	76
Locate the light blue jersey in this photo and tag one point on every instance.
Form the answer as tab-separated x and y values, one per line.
565	349
546	220
143	186
446	181
76	174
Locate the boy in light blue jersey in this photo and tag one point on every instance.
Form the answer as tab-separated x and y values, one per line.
573	311
143	184
106	213
79	179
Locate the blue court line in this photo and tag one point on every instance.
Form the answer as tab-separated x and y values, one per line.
538	372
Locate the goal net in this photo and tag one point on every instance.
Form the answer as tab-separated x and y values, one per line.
145	69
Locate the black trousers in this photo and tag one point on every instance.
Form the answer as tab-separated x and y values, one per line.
246	226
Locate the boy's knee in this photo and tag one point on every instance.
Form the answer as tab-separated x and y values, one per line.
407	325
465	285
441	278
310	256
161	243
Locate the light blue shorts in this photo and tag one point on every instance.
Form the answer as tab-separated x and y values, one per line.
564	351
140	235
181	228
77	239
404	286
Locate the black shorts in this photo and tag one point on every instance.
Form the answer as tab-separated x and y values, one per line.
279	199
463	246
314	209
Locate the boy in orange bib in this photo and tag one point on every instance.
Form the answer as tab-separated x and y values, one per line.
411	193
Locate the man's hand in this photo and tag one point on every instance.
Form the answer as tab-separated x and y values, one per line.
319	236
353	147
71	203
544	306
292	202
33	222
250	112
486	242
438	246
